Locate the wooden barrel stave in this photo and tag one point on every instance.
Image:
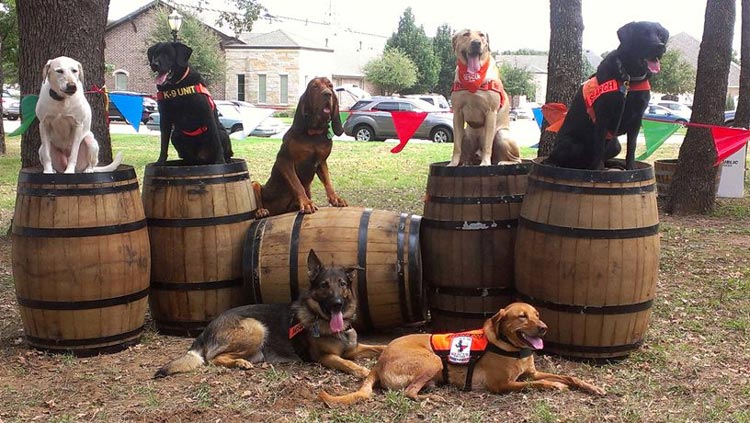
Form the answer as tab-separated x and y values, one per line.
80	260
587	257
198	216
276	259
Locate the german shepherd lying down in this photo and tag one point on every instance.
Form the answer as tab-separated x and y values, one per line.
316	327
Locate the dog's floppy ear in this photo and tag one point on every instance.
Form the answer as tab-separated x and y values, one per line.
338	128
314	266
454	40
626	33
497	318
80	72
662	33
45	71
183	53
150	52
299	123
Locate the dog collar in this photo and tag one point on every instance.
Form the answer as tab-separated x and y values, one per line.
521	353
55	95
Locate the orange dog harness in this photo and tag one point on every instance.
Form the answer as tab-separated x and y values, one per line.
465	349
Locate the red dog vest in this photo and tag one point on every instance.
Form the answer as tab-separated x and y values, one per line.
189	90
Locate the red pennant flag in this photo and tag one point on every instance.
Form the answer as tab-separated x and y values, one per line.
554	114
728	141
406	124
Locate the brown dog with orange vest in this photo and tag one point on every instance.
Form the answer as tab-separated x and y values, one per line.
507	341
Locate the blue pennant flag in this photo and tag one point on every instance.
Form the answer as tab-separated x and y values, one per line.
130	106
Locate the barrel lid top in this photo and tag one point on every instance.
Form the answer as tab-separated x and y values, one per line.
35	175
441	169
642	172
178	168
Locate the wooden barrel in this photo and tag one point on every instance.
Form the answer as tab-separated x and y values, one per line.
80	260
197	220
384	244
664	170
587	257
468	236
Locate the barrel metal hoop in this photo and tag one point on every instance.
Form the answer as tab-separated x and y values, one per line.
472	292
569	232
201	221
400	271
467	225
364	302
587	309
611	349
294	256
125	173
563	173
178	168
557	187
82	305
251	260
25	231
62	343
415	273
440	169
196	286
75	192
153	181
462	314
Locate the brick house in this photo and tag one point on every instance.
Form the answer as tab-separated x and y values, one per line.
125	48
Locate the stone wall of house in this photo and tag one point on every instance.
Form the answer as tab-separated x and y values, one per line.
125	49
273	64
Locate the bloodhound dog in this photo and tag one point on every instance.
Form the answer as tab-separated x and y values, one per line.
304	150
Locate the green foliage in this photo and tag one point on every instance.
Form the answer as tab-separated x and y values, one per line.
206	58
587	69
413	41
9	41
249	11
730	105
443	47
393	72
676	77
525	52
518	81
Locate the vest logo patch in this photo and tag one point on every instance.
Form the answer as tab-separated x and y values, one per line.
460	352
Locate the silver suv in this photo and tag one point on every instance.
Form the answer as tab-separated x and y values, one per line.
370	119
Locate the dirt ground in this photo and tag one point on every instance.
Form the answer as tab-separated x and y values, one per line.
694	365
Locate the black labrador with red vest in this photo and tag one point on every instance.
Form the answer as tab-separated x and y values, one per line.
187	111
612	102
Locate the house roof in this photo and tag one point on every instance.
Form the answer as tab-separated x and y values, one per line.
690	48
280	39
223	38
538	63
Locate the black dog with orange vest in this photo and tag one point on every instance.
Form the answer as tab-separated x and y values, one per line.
612	102
187	112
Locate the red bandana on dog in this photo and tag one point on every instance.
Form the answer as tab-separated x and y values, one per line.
469	80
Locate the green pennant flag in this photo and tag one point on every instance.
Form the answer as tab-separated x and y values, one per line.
344	116
28	114
656	133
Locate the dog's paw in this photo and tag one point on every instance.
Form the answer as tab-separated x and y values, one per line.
261	213
307	207
452	163
337	201
88	170
49	171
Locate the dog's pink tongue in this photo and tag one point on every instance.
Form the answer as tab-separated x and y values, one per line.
161	78
473	64
535	342
337	322
654	66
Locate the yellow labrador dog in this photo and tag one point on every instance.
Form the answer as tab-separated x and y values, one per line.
481	121
64	114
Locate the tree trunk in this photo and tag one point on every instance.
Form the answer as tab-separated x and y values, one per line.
3	148
693	187
742	117
73	28
565	60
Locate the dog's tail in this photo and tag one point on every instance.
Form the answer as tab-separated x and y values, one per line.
364	392
192	359
110	167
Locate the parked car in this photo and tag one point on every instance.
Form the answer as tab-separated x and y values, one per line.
729	117
11	108
230	116
521	113
434	99
149	106
371	120
681	109
662	113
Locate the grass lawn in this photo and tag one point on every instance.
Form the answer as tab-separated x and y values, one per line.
693	366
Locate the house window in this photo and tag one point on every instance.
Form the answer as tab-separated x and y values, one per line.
261	88
284	89
241	87
121	79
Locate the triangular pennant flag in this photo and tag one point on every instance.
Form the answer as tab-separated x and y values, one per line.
554	113
130	106
656	133
406	124
538	116
252	117
344	116
28	114
728	141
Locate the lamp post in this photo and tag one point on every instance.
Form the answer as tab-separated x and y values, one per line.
175	22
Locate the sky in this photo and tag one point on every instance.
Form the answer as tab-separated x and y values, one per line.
510	24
